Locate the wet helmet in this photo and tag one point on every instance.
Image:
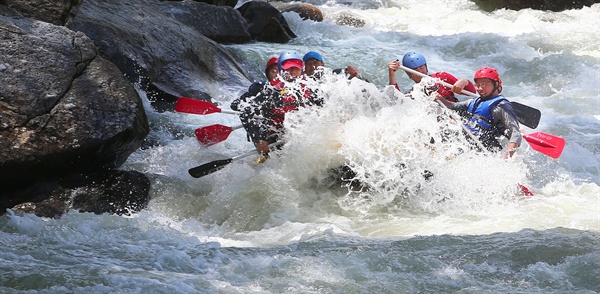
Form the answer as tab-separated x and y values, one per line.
312	54
294	60
413	60
488	73
271	62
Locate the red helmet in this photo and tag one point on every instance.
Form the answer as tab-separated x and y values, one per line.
271	61
488	73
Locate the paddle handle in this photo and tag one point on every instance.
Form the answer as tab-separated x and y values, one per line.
230	111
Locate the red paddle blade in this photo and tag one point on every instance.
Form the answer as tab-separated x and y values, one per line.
545	143
524	190
190	105
213	134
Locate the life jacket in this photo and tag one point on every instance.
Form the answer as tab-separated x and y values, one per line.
291	99
481	122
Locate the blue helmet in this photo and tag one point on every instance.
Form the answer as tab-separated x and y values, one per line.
413	60
312	54
288	55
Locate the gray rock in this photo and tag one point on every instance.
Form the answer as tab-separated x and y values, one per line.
266	23
554	5
161	45
118	192
51	11
63	108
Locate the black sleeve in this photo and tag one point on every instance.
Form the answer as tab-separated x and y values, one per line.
253	90
260	104
257	113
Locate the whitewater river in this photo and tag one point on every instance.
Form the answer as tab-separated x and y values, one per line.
283	227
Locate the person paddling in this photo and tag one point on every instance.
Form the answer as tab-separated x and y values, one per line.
313	63
263	114
271	72
490	115
417	62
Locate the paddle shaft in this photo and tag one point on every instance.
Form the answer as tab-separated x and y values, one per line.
412	71
479	144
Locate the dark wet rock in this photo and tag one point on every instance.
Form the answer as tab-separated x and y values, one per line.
118	192
162	46
51	11
230	3
266	23
552	5
63	109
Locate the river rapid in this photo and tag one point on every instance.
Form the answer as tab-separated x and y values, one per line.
285	227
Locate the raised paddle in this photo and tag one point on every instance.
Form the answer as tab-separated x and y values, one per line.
527	115
213	166
214	134
194	106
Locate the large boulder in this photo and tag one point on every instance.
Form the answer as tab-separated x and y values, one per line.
230	3
161	45
220	24
266	23
63	109
51	11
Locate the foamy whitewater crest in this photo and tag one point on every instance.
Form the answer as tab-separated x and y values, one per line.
458	17
400	152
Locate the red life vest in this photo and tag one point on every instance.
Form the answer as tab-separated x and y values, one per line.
291	100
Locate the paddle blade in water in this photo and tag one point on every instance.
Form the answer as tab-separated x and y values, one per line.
545	143
209	168
524	190
213	134
190	105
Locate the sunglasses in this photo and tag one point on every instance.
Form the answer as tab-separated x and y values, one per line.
482	84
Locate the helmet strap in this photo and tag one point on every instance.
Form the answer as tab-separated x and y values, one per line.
493	91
